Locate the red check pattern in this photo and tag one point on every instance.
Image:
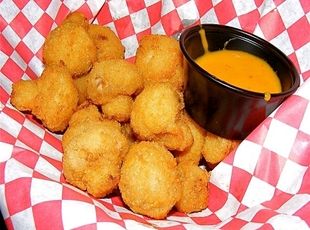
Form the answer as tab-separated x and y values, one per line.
264	184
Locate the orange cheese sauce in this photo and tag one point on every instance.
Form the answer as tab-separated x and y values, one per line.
241	69
238	68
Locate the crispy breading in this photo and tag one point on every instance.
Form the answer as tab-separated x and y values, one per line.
149	182
156	114
155	110
77	18
52	98
108	45
93	152
57	98
216	148
71	45
85	113
194	188
160	59
193	153
23	94
118	108
178	139
109	79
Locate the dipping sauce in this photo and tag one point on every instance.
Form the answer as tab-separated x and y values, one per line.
241	69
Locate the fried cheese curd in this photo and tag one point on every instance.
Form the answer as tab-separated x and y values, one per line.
194	152
52	98
111	78
160	59
119	108
108	45
216	148
93	152
85	113
77	18
194	188
23	94
180	138
71	45
149	182
157	115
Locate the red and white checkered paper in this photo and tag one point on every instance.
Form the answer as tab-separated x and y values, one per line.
264	184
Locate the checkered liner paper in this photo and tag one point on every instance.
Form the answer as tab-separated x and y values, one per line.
264	184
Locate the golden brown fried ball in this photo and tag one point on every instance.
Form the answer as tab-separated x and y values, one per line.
149	182
77	18
23	95
155	110
107	43
155	116
194	188
216	148
85	113
180	138
159	58
81	85
109	79
193	153
52	98
57	98
93	153
118	108
71	45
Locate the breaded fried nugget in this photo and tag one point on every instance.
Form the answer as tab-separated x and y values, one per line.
216	148
77	18
180	138
159	59
155	116
52	98
193	153
93	153
85	113
81	85
109	79
107	43
57	98
118	108
149	182
23	95
71	45
194	188
155	110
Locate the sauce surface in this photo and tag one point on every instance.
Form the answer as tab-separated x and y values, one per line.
241	69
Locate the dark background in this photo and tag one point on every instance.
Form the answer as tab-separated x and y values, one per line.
2	225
